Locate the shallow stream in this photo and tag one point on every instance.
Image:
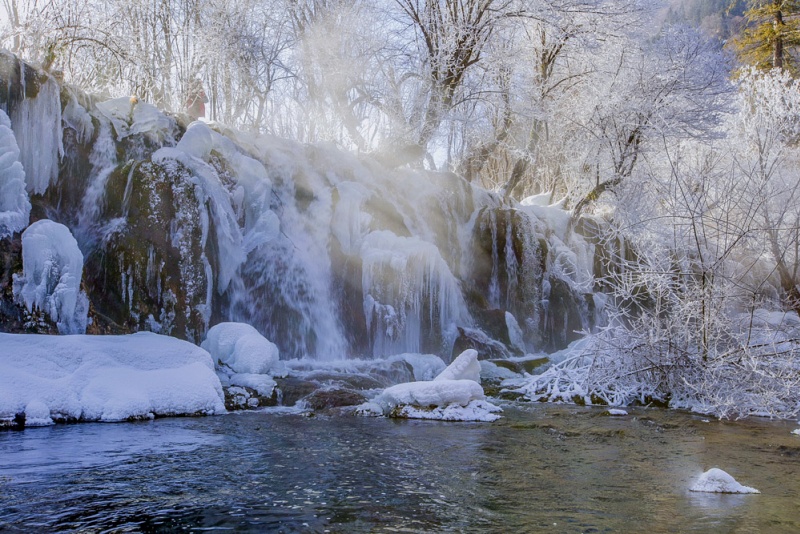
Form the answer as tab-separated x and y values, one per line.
542	468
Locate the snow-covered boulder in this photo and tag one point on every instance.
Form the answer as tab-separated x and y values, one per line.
104	378
433	393
15	208
718	481
52	267
243	349
454	395
464	367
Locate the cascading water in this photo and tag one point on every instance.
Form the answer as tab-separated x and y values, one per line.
103	159
330	256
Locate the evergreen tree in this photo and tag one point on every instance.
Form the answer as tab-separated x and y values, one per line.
771	34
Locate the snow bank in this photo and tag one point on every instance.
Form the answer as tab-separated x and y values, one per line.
243	349
718	481
15	208
105	378
52	267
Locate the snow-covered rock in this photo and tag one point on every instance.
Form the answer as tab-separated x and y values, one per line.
130	116
104	378
52	267
796	431
454	395
15	208
243	349
464	367
433	393
616	412
424	366
718	481
477	410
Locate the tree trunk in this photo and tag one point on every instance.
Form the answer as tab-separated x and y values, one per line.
777	58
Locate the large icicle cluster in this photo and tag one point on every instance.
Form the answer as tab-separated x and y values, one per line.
37	126
408	289
52	269
15	208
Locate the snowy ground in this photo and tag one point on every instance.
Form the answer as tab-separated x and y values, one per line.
104	378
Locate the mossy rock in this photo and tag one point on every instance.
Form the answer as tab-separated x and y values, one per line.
149	272
325	399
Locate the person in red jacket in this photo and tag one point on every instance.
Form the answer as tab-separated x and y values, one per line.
196	99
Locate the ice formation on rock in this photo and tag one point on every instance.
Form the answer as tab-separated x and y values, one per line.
15	208
37	126
52	267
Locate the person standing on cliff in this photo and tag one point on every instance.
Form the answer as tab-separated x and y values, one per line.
196	99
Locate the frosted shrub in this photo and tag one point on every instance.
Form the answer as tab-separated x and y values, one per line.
674	341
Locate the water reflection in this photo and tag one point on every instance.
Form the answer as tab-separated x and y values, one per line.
541	468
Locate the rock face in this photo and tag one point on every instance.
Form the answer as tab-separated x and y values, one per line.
327	255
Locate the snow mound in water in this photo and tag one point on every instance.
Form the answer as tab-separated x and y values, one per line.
454	395
464	367
105	378
243	349
15	208
477	410
433	393
718	481
52	267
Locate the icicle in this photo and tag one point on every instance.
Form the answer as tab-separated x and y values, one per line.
37	126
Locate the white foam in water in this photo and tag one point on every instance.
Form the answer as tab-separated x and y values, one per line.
15	208
37	126
52	267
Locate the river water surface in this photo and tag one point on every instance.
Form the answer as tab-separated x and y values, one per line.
542	468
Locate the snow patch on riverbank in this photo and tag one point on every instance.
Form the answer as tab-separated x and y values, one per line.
104	378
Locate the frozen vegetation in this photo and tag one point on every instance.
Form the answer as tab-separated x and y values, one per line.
104	378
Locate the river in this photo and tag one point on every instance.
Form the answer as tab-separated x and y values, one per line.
542	468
